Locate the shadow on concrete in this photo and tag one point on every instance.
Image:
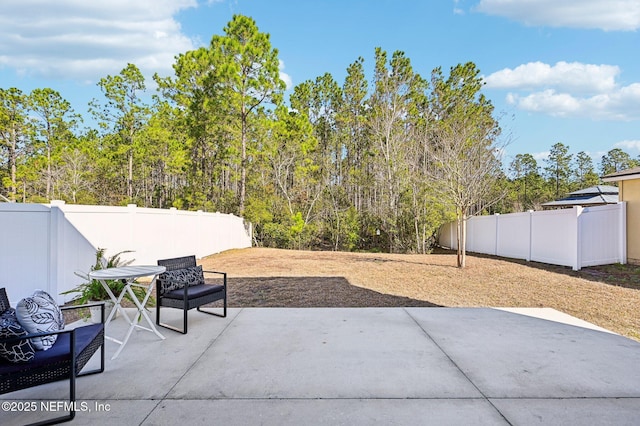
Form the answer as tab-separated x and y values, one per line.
310	292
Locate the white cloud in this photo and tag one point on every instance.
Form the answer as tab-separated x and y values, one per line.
597	156
620	105
90	39
629	145
557	103
457	10
608	15
540	156
577	76
569	90
284	76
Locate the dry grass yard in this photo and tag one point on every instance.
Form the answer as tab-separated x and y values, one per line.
607	296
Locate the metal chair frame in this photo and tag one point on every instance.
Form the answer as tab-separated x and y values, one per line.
49	368
192	296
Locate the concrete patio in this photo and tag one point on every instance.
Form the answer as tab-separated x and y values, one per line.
333	366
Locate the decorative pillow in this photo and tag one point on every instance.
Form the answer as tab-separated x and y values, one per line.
191	276
18	350
37	314
58	316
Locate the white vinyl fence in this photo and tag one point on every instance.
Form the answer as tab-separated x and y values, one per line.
577	237
41	246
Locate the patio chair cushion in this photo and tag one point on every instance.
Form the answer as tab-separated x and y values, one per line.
19	350
194	291
172	280
60	352
40	314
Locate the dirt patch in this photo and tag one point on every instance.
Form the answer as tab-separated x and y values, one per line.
310	292
606	296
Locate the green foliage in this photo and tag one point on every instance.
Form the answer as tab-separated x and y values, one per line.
93	290
123	113
375	163
350	230
248	68
558	169
616	160
297	224
585	175
258	211
528	186
16	132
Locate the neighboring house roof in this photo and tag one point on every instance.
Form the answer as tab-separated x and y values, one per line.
633	173
592	196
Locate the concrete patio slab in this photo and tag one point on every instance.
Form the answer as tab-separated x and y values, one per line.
556	316
362	366
514	356
581	411
329	412
318	353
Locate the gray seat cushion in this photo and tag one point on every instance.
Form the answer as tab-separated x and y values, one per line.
194	291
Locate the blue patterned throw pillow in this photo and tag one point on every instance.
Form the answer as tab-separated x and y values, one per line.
172	280
18	350
40	314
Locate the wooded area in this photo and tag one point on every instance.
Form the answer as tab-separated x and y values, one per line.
366	165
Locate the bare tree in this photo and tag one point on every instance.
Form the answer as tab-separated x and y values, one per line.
465	171
463	147
75	174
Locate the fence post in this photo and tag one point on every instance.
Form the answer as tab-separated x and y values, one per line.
249	227
577	261
530	235
132	220
56	248
622	229
497	236
203	232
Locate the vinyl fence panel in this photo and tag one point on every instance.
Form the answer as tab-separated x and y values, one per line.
514	236
41	246
25	245
481	234
554	237
603	236
447	236
576	237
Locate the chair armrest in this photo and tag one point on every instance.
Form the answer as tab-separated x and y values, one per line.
224	276
86	305
215	272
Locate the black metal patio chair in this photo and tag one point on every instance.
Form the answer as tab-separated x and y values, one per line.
183	286
64	360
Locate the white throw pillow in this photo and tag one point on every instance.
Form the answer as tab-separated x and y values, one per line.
40	314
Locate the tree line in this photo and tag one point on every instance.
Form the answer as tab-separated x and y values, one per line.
530	184
373	164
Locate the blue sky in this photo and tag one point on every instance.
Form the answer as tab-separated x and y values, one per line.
557	71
